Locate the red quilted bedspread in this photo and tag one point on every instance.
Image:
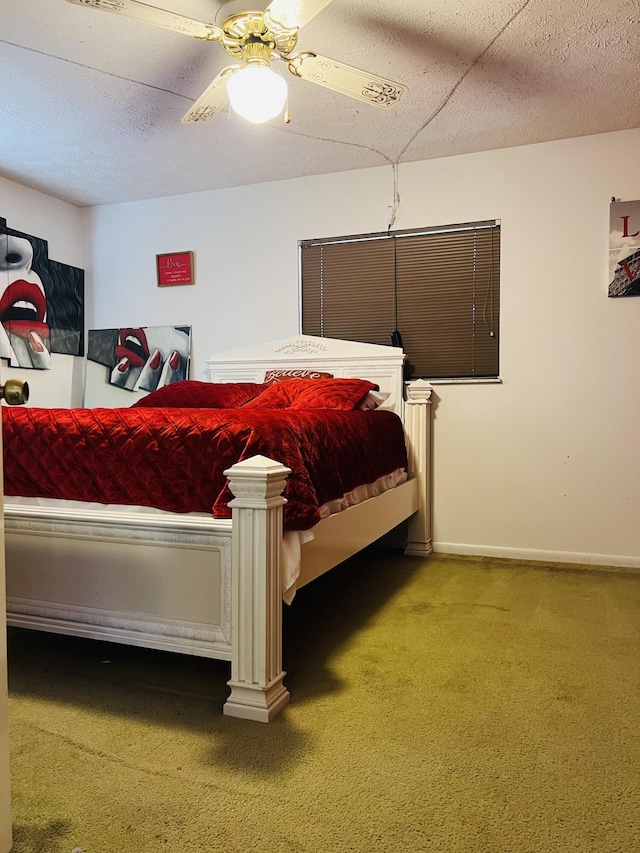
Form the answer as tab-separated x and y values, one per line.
174	459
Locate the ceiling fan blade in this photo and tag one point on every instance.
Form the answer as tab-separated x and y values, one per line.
292	14
158	17
213	99
368	88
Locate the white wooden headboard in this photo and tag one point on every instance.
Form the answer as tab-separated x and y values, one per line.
380	364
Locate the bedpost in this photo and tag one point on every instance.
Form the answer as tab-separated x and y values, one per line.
257	691
417	421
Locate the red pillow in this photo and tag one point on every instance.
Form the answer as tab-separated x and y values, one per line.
191	394
345	394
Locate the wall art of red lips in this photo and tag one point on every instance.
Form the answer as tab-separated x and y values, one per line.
132	344
23	309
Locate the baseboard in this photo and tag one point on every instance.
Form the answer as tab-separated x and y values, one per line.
613	560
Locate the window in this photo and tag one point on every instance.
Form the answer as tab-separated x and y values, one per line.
438	287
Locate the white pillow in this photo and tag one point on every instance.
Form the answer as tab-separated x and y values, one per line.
374	399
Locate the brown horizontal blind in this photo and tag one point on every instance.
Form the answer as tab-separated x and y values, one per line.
346	292
439	287
448	303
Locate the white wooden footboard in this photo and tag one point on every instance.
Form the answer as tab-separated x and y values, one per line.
144	580
185	584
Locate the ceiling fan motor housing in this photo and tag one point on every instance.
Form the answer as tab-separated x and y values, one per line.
249	35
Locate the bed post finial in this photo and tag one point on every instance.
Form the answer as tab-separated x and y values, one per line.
418	428
257	691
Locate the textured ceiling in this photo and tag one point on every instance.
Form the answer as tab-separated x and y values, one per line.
91	102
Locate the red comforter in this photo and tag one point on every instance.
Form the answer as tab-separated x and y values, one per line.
174	459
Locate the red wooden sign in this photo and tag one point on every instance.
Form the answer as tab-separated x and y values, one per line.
175	268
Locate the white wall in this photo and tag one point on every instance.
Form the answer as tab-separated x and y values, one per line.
545	465
62	225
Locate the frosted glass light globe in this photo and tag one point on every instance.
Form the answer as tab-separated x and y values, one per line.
257	93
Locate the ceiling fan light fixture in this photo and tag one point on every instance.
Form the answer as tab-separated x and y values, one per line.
256	92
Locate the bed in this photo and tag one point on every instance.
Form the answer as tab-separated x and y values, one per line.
213	584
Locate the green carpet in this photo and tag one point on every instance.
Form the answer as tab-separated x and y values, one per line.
451	704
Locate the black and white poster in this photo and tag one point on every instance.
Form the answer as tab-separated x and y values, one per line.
41	302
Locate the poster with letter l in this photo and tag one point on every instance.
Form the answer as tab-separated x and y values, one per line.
624	248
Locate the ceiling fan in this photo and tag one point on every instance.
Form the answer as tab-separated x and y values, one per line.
255	39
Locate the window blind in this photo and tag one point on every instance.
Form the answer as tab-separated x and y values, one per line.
439	287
